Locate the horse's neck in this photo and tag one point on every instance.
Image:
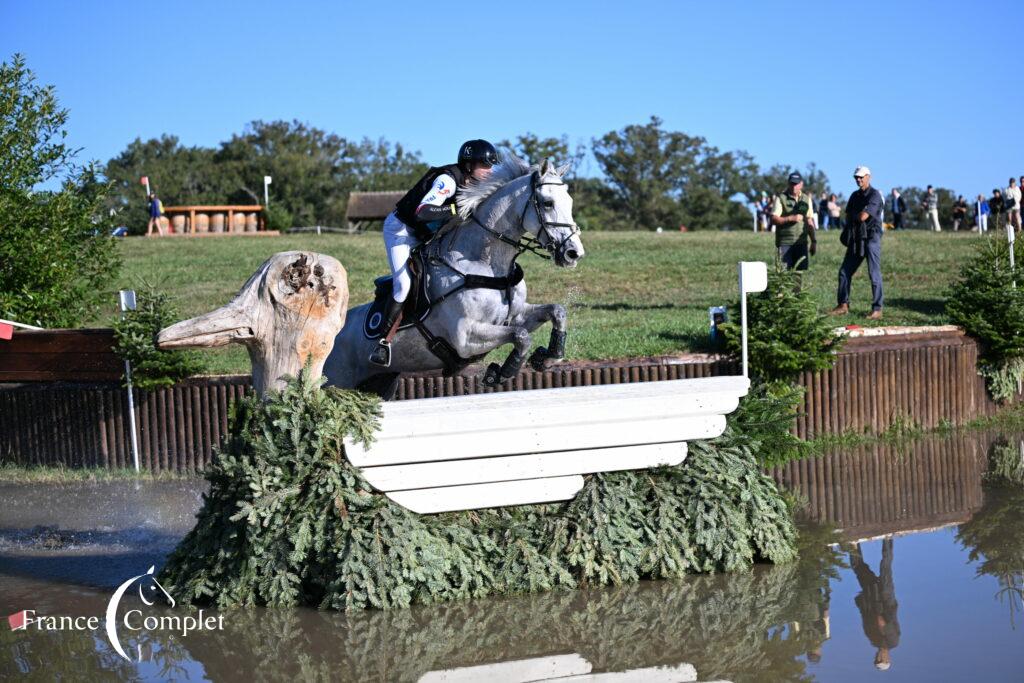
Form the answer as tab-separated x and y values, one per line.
481	250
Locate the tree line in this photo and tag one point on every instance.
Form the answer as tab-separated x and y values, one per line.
650	176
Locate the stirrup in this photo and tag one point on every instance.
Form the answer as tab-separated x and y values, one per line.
382	354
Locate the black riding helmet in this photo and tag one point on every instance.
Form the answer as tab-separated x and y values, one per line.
479	151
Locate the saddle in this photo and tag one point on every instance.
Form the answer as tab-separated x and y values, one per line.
417	305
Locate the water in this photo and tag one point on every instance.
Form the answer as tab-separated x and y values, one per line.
925	577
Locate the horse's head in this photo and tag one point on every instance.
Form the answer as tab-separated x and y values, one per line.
549	219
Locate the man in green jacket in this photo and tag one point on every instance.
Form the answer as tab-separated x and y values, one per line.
793	218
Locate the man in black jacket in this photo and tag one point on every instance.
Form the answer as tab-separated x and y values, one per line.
862	236
897	207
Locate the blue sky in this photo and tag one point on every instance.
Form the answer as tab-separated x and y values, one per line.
923	92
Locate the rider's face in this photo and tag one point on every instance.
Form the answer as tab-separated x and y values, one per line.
480	170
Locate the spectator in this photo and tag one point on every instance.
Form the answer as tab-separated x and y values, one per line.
995	205
793	218
156	212
823	212
931	207
981	212
834	213
764	208
898	208
1011	204
959	212
862	236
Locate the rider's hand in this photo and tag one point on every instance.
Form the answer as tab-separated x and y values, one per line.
814	248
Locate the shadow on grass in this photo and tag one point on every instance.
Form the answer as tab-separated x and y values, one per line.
697	342
918	305
630	307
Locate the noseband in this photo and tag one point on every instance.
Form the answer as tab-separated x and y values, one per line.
531	244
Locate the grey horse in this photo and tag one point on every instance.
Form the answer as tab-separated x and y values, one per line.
516	206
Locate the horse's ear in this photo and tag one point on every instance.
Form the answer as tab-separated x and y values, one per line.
563	169
151	569
545	168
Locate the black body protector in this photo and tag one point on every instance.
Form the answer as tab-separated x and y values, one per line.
406	207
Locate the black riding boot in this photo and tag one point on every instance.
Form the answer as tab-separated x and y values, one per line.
382	354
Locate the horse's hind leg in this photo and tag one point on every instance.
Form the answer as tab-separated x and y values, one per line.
483	337
535	315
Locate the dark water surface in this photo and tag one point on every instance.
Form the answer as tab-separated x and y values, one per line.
924	582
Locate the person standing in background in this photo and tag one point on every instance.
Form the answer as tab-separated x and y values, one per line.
823	212
981	212
1011	204
931	207
793	218
156	212
898	207
995	206
834	213
959	212
862	235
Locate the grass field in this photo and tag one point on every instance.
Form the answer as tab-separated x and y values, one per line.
634	294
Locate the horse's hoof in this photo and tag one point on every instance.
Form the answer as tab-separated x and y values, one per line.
492	377
539	359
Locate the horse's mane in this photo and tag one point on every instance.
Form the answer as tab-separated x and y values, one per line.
476	193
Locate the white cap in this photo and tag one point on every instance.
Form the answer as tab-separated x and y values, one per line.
862	170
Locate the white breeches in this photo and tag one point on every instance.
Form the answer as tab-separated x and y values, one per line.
399	242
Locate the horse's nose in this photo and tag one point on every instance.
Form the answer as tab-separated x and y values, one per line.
572	254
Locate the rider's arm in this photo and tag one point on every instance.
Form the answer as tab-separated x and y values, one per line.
432	206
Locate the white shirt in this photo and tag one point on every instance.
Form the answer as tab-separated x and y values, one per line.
442	189
1013	194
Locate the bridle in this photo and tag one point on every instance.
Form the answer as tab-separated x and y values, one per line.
527	242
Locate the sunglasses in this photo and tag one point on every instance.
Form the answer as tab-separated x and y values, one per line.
859	177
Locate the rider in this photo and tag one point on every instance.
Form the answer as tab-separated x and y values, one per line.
417	217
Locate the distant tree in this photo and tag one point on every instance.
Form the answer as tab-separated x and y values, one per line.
57	262
178	174
594	206
535	150
305	163
776	179
377	165
313	173
665	178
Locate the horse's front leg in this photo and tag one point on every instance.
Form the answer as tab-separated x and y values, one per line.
483	337
535	315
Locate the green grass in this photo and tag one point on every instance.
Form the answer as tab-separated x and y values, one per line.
14	474
635	294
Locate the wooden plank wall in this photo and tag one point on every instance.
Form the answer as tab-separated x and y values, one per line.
879	489
920	379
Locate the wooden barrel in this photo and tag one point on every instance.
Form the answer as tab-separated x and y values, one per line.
202	222
250	222
178	223
165	224
217	222
238	222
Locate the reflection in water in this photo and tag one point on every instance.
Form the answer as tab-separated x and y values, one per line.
994	538
737	626
877	603
877	490
776	623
